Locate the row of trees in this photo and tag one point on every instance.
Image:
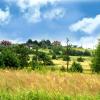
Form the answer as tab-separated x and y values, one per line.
18	56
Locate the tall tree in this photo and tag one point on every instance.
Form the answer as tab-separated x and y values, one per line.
96	60
29	41
67	52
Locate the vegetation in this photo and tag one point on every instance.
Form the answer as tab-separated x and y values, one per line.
36	85
80	59
44	53
76	67
52	78
96	60
9	59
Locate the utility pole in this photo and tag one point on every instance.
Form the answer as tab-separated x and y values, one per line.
67	52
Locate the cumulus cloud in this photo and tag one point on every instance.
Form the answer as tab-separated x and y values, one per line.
31	9
33	16
88	41
87	25
54	13
4	16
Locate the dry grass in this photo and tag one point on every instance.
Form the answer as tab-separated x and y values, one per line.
68	83
60	62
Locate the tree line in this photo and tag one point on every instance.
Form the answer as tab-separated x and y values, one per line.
18	55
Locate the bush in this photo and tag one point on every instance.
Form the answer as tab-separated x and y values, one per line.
80	59
23	53
63	69
96	60
54	56
53	68
76	67
66	58
9	59
34	65
41	58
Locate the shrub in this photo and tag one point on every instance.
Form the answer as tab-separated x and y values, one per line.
96	60
66	58
9	59
54	56
23	53
53	68
41	58
76	67
80	59
63	69
34	65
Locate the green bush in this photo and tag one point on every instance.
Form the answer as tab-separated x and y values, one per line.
66	58
9	59
63	69
76	67
96	60
80	59
23	53
44	58
54	56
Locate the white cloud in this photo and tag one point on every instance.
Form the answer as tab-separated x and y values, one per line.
26	4
31	8
4	16
88	41
33	16
54	13
87	25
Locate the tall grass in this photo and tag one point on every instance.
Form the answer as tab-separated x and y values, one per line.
43	95
34	85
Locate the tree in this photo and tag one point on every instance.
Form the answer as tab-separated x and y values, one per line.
41	57
8	58
5	43
87	53
96	60
54	56
66	58
29	41
23	53
67	52
35	44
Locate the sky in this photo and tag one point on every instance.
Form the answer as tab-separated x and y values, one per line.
78	20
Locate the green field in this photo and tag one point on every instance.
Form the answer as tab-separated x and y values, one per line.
37	85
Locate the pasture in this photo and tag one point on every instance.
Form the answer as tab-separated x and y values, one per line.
37	85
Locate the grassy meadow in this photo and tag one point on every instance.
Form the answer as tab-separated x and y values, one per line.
49	82
48	85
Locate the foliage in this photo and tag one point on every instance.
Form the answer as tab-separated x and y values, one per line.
54	56
96	60
87	53
46	59
57	50
5	43
66	58
9	59
23	53
40	57
76	67
63	69
76	52
80	59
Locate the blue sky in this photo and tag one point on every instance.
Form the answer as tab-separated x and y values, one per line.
79	20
